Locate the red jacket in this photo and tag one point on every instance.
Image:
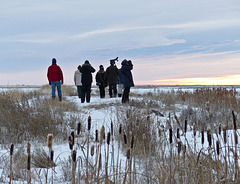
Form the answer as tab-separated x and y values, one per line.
54	73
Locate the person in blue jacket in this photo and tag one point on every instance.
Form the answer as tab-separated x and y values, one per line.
126	73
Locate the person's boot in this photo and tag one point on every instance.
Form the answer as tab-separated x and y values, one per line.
60	99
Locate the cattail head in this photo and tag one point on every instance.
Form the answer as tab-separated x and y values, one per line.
234	121
179	147
29	162
178	134
89	123
120	129
225	134
128	153
11	149
70	141
170	135
49	141
96	136
132	142
102	134
209	137
218	147
194	129
125	138
74	156
202	136
28	148
100	162
185	127
73	137
219	128
235	137
108	138
78	128
111	128
52	155
184	148
92	150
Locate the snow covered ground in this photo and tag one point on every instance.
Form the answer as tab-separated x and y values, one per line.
103	113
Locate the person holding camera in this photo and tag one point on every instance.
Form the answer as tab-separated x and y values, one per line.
126	68
100	82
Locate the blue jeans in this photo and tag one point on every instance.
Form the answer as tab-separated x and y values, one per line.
58	84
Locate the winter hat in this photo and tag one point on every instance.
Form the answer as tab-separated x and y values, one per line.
101	67
86	62
124	62
54	60
79	67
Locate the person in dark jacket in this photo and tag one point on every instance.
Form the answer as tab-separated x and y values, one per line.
111	76
100	82
86	71
55	78
127	66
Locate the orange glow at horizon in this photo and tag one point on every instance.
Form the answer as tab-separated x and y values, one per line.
226	80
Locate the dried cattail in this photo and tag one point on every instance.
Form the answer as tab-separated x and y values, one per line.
108	138
96	136
148	118
132	142
70	141
179	147
209	137
177	119
219	128
185	128
29	162
102	134
125	138
11	149
74	155
52	155
79	128
89	123
28	148
159	132
202	137
111	128
92	150
235	137
225	134
178	134
128	153
120	129
170	135
194	130
100	162
73	137
184	148
234	121
218	146
49	141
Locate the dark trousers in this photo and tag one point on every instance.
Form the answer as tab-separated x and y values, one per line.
102	91
112	90
125	96
86	90
79	91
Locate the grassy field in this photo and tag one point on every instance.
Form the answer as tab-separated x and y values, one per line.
164	135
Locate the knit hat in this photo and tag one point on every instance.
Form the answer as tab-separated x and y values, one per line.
54	60
101	67
86	62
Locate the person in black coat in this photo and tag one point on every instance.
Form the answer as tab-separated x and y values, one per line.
86	71
100	82
126	73
111	76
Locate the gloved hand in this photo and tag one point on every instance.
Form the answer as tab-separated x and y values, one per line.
61	82
49	83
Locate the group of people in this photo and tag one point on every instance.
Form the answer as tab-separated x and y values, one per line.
119	81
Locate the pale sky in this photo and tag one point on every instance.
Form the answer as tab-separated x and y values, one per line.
168	41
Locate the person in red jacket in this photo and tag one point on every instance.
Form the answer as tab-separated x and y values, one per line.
55	78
